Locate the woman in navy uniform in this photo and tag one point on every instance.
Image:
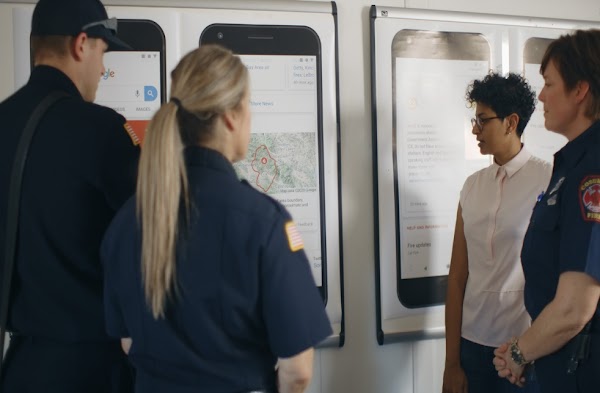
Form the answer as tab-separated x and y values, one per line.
561	250
206	278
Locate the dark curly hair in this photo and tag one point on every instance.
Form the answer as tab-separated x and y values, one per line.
505	95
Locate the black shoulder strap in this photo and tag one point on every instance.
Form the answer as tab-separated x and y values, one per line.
12	212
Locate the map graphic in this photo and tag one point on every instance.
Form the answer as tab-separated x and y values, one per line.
280	162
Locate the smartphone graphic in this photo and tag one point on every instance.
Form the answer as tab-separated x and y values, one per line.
433	152
133	83
285	152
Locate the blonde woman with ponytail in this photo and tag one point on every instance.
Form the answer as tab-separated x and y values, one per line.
206	280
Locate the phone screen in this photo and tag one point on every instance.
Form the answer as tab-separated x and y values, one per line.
283	159
284	153
131	86
133	83
434	151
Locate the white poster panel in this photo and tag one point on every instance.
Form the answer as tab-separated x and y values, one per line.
423	149
281	106
435	151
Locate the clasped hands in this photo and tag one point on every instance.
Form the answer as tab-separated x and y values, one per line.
506	367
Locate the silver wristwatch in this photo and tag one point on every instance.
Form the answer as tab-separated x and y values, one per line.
516	355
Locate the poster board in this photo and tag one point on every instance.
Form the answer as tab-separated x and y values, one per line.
183	23
421	64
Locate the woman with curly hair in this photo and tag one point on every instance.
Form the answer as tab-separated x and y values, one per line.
484	303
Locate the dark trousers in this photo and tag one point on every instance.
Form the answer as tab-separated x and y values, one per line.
482	377
588	372
35	365
553	376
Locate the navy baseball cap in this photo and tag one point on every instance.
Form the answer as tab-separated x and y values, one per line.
71	17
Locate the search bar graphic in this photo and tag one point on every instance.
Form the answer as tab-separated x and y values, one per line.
128	93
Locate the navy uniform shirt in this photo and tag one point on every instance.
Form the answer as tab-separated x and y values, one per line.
244	297
80	170
563	236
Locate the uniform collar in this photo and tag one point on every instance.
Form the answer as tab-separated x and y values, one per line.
53	79
197	156
573	150
516	163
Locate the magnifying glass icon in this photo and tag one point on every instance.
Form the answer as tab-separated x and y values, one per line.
150	93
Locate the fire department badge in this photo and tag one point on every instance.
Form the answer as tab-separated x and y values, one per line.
589	191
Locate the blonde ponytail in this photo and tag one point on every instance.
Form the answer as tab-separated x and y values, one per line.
207	82
162	182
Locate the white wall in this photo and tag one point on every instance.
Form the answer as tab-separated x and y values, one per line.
362	365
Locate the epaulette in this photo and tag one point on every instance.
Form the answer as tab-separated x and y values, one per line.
274	201
292	233
135	139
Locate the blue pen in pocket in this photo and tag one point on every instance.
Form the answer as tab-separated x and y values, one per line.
541	196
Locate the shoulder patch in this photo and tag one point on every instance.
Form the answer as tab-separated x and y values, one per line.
130	131
589	198
294	239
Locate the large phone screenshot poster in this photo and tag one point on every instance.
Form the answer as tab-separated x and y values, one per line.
284	158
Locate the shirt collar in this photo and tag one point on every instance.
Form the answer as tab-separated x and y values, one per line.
197	156
53	79
516	163
574	149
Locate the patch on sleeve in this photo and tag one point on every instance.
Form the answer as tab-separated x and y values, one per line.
293	236
589	192
130	131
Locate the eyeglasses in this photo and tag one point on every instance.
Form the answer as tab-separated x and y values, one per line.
479	122
110	24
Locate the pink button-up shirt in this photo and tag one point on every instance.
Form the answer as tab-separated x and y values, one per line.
496	206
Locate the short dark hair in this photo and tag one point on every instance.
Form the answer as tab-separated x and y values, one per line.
577	58
505	95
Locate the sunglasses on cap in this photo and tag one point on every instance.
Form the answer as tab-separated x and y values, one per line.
110	24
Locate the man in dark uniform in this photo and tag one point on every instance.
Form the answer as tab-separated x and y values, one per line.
561	250
80	169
